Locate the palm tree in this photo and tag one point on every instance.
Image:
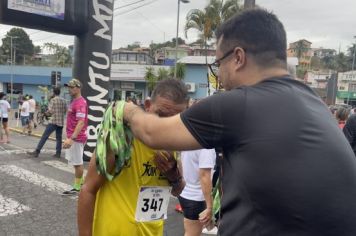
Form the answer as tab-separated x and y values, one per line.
162	74
180	71
208	20
151	79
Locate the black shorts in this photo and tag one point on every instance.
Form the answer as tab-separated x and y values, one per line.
5	120
191	209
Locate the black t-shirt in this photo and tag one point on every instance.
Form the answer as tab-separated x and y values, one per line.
287	168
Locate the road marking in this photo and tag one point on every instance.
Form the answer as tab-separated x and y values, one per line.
34	178
62	166
9	206
23	151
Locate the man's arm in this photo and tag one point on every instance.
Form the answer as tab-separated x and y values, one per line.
69	141
87	195
206	186
160	133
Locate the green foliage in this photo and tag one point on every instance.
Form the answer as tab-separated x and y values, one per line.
21	43
155	46
180	71
151	79
162	74
61	54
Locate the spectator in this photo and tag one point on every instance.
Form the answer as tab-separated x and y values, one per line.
57	108
32	103
25	116
77	122
341	116
286	168
5	109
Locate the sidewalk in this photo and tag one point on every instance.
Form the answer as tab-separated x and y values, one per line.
15	126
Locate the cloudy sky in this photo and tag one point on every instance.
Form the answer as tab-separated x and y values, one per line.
328	24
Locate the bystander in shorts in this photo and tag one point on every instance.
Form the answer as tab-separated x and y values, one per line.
4	120
32	115
191	209
74	154
25	120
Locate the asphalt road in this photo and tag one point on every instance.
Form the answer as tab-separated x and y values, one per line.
30	203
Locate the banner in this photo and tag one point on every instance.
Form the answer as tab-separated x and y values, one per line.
49	8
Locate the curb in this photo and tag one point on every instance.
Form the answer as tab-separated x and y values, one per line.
33	134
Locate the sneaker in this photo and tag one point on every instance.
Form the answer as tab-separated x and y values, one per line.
33	154
213	231
57	155
71	192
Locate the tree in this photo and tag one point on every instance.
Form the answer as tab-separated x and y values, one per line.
21	42
162	74
300	49
61	54
151	79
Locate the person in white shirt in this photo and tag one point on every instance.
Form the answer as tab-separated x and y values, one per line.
196	199
32	103
4	115
25	116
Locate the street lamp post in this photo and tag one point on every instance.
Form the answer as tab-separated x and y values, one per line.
176	54
352	75
12	73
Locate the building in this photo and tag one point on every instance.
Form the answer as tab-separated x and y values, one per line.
27	79
196	76
139	56
324	52
167	55
346	88
302	50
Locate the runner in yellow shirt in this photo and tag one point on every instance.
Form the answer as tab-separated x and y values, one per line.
135	202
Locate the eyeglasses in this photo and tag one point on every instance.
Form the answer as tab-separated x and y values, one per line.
214	67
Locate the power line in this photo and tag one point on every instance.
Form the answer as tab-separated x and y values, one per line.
127	5
132	9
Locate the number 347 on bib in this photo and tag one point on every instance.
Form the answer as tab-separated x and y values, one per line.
152	203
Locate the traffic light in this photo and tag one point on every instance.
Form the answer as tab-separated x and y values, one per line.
59	77
53	78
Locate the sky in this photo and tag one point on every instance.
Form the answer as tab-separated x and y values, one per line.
327	24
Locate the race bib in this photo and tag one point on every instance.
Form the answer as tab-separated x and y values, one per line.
152	203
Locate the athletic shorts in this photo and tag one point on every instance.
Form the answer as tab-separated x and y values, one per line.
25	120
191	209
32	115
5	120
74	154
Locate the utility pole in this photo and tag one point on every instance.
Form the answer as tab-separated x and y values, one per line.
249	4
12	63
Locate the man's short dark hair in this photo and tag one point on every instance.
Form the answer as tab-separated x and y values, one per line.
2	95
56	91
257	31
172	89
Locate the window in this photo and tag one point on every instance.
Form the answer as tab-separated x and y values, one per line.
123	57
131	57
17	88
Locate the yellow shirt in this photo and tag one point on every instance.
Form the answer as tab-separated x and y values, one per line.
116	200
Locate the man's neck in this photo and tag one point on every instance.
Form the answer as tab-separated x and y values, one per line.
77	96
258	75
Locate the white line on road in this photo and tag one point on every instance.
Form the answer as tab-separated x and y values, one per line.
61	166
34	178
9	206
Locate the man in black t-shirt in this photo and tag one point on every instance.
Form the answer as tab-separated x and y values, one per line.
287	168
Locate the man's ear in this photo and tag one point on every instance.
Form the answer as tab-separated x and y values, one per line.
147	104
239	57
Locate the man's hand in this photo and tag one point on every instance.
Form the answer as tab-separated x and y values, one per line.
67	143
167	165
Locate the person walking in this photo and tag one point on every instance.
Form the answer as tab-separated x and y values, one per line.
57	108
25	116
287	168
77	122
5	109
32	103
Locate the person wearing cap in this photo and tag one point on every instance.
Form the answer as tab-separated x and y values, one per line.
77	121
25	115
4	110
